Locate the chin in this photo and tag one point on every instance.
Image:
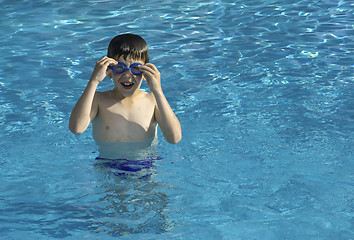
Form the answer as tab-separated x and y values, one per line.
126	93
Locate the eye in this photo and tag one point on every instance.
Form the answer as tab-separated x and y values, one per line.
136	69
119	68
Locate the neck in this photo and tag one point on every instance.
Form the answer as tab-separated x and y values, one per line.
119	96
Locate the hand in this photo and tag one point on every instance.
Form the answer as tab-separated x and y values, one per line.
101	69
152	77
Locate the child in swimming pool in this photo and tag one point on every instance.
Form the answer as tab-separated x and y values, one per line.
125	113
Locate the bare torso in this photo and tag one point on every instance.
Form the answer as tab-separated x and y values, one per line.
128	120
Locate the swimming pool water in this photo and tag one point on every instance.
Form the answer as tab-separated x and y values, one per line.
264	93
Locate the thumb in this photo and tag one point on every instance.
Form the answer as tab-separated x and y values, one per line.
109	73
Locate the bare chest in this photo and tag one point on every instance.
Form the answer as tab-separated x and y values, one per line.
122	122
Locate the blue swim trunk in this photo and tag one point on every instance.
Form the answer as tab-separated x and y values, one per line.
124	167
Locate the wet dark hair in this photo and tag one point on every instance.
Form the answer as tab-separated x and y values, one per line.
128	45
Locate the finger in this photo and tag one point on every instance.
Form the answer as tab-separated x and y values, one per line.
146	70
108	73
148	75
102	59
109	61
150	69
105	58
152	66
112	59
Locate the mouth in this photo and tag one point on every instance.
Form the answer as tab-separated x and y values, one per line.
127	85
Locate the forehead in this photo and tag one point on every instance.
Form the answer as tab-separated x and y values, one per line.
128	60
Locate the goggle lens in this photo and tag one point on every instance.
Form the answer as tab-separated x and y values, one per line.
118	68
121	68
135	70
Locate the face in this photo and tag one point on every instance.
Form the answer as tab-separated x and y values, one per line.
127	83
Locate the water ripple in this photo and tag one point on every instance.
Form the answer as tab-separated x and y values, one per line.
264	92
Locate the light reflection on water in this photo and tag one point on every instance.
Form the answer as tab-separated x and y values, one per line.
134	202
263	90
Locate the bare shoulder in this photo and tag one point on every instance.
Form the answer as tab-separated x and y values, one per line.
149	97
101	97
102	94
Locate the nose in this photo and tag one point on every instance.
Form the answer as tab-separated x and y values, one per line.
127	73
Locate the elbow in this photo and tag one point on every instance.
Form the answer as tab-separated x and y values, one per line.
75	129
78	126
175	139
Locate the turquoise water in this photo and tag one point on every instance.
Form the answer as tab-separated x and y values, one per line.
264	93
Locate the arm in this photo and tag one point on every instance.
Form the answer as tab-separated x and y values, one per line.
164	115
86	108
167	120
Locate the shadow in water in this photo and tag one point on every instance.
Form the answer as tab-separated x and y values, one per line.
134	199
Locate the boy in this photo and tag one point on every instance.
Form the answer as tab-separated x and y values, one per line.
126	113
